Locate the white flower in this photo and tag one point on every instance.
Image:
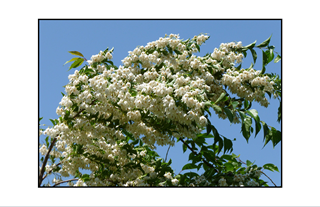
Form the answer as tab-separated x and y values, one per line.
223	182
175	181
203	121
43	150
80	183
168	175
143	153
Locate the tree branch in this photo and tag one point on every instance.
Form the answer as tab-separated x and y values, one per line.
40	179
65	181
46	160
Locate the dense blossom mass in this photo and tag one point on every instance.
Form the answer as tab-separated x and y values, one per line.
158	95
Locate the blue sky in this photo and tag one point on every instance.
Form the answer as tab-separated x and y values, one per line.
57	37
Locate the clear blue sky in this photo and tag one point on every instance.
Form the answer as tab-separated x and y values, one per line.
57	37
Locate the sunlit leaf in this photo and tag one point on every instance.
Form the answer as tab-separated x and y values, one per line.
73	59
76	63
277	59
271	167
217	108
222	96
248	163
76	53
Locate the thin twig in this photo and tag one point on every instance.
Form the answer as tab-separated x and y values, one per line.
65	181
269	178
167	153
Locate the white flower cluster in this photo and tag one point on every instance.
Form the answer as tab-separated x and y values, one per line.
43	150
236	82
173	85
80	183
99	57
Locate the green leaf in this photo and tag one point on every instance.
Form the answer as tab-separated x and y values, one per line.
217	108
204	135
76	63
198	47
199	141
227	145
226	157
277	59
85	177
40	119
279	112
47	141
276	136
169	49
251	66
235	104
178	52
247	104
184	148
244	53
210	156
208	128
254	55
220	98
229	166
251	45
217	138
242	115
53	122
265	56
254	114
248	163
267	134
107	61
263	70
73	59
246	127
257	122
76	53
270	54
229	114
189	166
265	43
271	167
239	67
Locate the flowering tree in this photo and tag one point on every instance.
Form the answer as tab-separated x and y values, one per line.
112	118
